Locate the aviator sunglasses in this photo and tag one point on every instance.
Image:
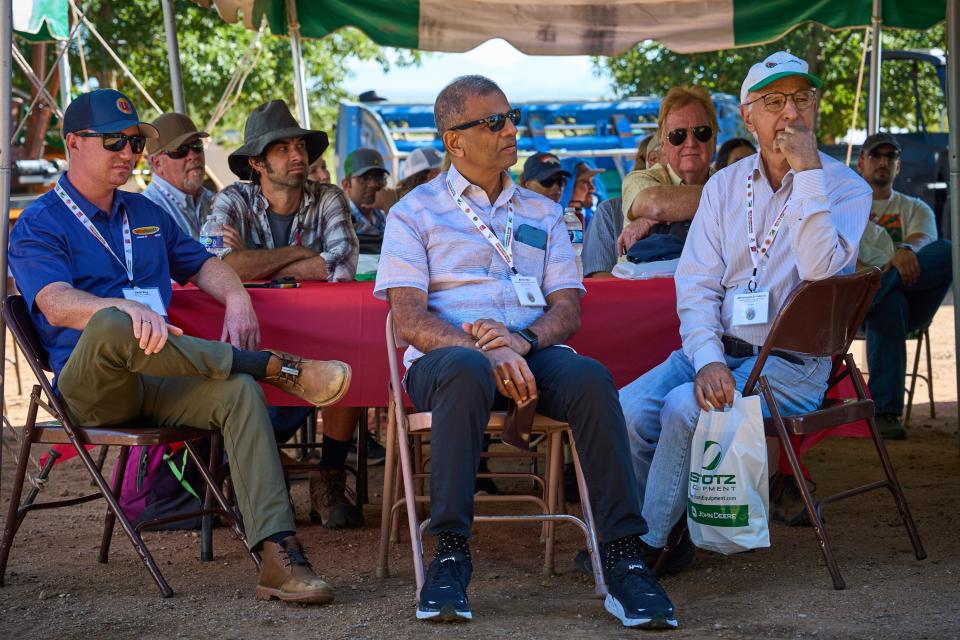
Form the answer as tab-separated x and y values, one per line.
183	150
554	180
494	122
116	141
677	137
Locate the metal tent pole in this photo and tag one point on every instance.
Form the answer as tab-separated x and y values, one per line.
173	56
876	46
63	69
299	71
6	167
953	118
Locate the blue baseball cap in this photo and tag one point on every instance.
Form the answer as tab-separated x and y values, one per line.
104	111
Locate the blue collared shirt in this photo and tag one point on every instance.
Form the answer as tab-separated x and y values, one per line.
48	244
363	225
185	210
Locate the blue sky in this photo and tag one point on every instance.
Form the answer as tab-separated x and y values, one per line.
523	78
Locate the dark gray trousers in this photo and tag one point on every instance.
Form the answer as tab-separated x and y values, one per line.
457	385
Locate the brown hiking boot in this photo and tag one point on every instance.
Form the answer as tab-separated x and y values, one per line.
319	382
329	504
286	575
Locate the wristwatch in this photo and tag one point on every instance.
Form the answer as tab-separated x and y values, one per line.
907	246
530	337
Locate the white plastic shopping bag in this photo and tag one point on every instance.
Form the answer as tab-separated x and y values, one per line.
727	495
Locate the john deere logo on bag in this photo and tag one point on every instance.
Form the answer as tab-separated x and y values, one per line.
716	450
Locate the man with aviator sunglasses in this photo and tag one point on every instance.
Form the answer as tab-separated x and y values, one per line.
177	163
543	174
663	198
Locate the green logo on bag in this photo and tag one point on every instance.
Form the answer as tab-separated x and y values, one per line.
715	462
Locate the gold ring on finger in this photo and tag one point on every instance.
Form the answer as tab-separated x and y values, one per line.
507	381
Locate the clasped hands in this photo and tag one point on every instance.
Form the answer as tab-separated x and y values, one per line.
505	352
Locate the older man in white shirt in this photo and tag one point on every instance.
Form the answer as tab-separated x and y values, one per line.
763	225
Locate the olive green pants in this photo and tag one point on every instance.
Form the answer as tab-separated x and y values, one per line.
109	380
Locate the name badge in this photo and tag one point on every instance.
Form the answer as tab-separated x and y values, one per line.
528	291
751	308
149	296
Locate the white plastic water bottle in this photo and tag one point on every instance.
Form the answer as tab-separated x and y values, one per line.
575	231
211	235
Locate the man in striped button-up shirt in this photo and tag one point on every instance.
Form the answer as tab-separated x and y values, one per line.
825	206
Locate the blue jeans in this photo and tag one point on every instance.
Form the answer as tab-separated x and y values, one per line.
661	414
287	420
896	310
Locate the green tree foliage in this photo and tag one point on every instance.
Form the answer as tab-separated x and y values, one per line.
210	51
834	56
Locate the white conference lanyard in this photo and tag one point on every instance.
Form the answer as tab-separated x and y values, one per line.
527	287
191	218
150	296
754	307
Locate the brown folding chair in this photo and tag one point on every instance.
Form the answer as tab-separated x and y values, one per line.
821	319
402	425
64	431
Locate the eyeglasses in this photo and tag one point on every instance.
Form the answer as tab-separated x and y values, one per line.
775	101
116	141
892	156
553	181
703	133
184	150
494	122
377	177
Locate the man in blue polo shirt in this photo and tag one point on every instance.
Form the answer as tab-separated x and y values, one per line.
94	264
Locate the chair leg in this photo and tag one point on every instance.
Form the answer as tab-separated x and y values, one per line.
819	530
206	522
418	466
362	434
913	381
554	477
397	492
406	465
926	342
386	508
12	523
593	546
110	519
101	459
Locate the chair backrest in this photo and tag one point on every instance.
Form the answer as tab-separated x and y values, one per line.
820	318
17	317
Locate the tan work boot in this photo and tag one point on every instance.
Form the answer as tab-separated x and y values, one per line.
319	382
286	575
329	504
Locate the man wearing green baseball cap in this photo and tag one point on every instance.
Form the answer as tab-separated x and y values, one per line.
364	177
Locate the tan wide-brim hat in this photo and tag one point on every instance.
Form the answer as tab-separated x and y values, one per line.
174	129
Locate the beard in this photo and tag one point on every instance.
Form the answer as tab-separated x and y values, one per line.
283	178
881	182
192	179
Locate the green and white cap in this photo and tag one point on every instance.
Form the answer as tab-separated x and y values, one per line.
777	65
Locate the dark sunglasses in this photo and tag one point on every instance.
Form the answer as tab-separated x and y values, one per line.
494	122
117	141
184	150
553	181
892	156
376	177
702	133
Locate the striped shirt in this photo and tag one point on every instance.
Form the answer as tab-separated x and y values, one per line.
826	215
185	210
431	245
322	224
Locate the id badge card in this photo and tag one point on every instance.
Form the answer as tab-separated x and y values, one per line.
528	291
149	296
751	308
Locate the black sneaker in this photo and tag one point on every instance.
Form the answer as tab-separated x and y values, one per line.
678	558
890	427
635	598
376	453
443	597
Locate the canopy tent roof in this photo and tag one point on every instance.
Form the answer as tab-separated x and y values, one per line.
41	20
575	27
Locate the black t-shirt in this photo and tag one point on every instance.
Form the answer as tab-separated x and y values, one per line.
280	228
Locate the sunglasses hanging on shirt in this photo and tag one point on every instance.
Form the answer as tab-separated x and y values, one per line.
116	141
702	133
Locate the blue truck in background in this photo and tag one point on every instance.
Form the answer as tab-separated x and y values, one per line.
606	132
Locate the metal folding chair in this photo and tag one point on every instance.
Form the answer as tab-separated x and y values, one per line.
402	425
64	431
821	319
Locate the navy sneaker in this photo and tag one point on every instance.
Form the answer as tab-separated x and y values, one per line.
636	599
443	597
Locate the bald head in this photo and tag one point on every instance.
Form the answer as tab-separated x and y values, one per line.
453	98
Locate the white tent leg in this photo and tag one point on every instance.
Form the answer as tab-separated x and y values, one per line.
63	68
876	49
299	72
6	168
173	57
953	117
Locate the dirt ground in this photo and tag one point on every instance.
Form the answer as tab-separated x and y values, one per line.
55	587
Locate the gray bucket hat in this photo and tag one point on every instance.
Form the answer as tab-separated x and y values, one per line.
268	123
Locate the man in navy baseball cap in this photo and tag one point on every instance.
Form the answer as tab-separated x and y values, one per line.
104	111
542	173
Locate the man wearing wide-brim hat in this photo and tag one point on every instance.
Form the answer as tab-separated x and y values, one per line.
177	165
281	224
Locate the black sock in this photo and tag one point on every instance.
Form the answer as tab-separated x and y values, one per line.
448	541
333	453
625	548
250	362
279	537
